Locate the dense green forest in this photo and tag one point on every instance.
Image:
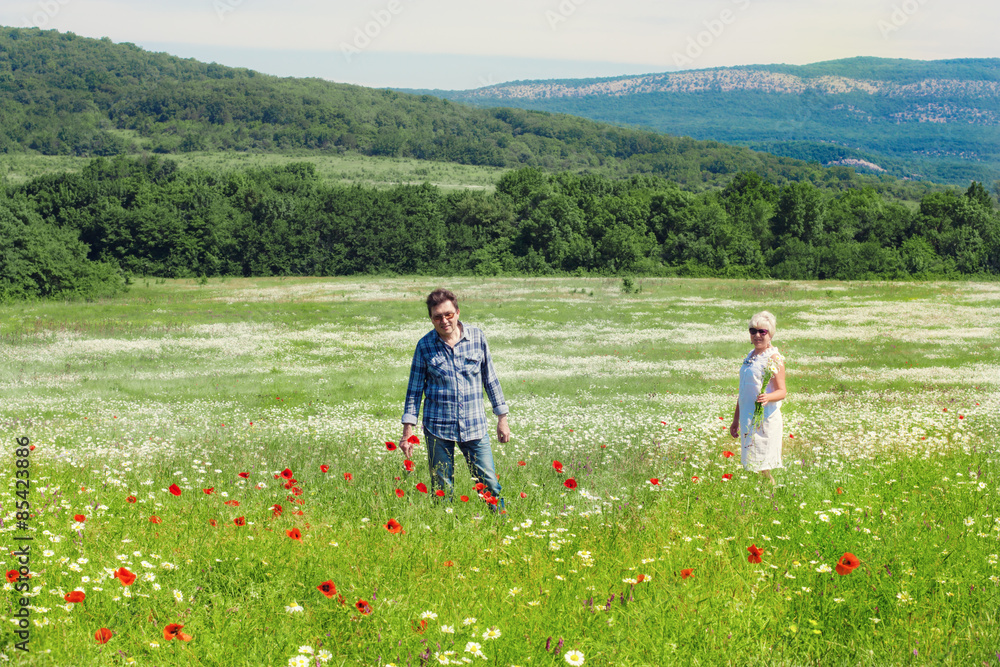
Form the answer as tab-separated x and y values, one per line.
584	198
61	94
146	217
944	127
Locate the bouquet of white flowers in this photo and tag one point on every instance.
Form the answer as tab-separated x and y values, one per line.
769	372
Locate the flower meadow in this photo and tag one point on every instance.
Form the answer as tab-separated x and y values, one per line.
213	478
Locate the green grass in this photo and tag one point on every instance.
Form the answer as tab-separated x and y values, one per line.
892	407
333	168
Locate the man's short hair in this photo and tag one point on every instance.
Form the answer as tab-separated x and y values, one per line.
439	296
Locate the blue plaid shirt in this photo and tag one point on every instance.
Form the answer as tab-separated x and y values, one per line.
452	381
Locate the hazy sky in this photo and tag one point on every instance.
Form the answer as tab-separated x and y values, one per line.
458	44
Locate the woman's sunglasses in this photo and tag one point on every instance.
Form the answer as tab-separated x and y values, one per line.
754	332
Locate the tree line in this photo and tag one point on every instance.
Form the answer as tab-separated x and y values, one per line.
84	234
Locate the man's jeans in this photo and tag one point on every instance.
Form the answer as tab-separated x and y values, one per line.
479	457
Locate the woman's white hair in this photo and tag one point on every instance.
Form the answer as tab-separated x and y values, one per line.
764	320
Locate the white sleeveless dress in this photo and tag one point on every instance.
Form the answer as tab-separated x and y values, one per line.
760	446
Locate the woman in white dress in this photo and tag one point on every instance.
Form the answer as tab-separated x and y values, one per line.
760	433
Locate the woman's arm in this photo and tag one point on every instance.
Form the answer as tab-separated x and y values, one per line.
779	388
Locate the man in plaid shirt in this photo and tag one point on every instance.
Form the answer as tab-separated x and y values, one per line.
451	367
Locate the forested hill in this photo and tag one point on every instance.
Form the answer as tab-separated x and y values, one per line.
61	94
922	119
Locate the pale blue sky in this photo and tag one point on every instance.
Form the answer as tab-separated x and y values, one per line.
458	44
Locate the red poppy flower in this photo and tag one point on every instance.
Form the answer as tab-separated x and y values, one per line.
419	629
400	493
421	487
521	463
12	576
173	631
847	563
154	519
728	454
448	563
349	477
479	486
570	483
209	490
390	445
961	416
363	607
328	589
558	466
298	512
755	554
240	521
103	636
409	465
276	510
130	499
439	493
727	476
244	475
840	490
394	527
287	473
524	495
79	518
413	440
232	503
294	534
324	468
655	481
174	490
290	483
687	573
696	479
75	596
123	575
213	522
464	499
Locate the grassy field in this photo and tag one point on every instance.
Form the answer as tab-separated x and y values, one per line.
165	419
333	169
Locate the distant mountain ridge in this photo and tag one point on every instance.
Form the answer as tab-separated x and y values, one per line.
62	94
916	119
734	79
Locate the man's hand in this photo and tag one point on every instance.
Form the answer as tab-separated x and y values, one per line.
405	443
503	430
